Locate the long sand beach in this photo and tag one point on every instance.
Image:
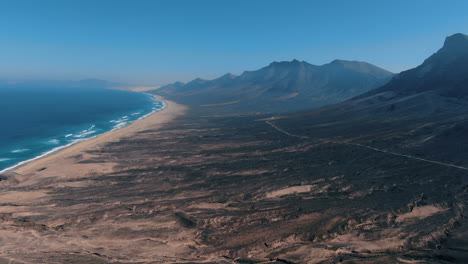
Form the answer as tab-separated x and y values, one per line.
62	165
30	216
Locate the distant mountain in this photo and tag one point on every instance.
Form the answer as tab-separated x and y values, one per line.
423	111
280	87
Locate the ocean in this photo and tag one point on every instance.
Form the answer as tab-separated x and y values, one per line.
35	122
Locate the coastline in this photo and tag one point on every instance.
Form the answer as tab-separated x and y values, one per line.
81	139
60	156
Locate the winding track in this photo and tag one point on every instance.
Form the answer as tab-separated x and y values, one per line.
372	148
283	131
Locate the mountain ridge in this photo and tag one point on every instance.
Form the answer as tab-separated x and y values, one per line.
448	64
423	109
283	86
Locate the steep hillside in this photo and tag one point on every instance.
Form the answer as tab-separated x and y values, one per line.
422	111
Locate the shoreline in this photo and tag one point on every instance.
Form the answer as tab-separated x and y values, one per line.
78	141
75	148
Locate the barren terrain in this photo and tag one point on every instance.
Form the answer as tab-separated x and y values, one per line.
206	189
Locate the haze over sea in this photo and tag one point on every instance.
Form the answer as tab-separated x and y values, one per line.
37	121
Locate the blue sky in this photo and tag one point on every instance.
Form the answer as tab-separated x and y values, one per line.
156	42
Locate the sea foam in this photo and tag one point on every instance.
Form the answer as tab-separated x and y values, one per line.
20	150
41	156
87	134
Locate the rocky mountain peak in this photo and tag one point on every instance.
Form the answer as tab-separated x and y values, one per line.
456	43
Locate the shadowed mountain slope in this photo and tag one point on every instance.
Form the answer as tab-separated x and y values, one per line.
422	111
444	73
280	87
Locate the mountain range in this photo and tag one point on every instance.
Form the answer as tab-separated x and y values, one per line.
386	169
280	87
423	111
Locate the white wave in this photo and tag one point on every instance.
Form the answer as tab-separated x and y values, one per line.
155	110
90	128
20	150
42	155
54	141
145	116
120	120
69	135
118	126
4	159
85	133
137	113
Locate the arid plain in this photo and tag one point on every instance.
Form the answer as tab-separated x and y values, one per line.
186	187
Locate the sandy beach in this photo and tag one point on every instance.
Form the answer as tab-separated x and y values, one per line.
63	164
30	214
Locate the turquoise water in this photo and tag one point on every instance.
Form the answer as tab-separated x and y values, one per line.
37	121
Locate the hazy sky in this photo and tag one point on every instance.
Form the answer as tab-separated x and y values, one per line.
156	42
